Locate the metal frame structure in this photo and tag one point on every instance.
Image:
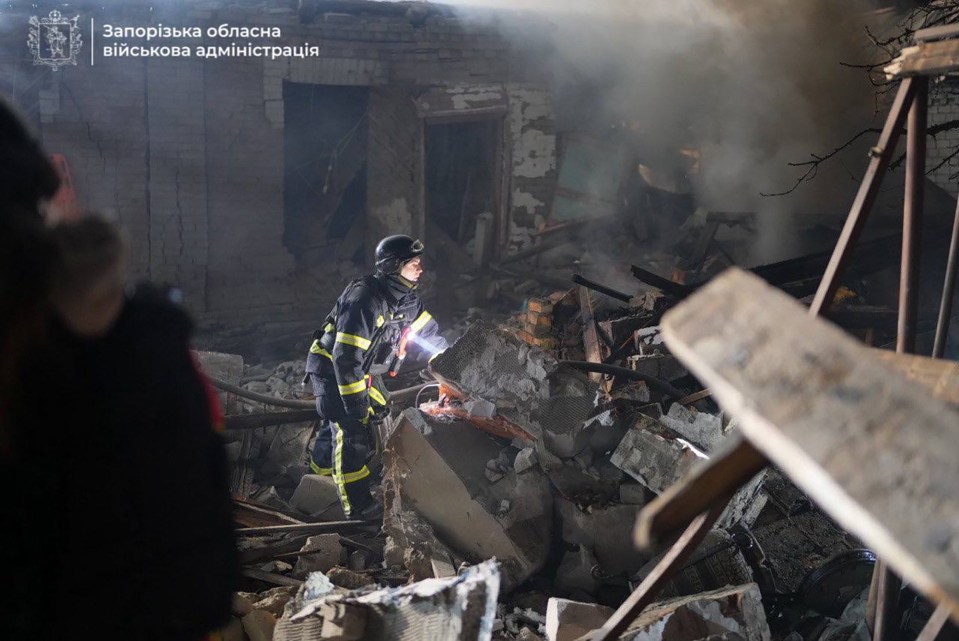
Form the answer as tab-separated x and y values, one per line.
696	502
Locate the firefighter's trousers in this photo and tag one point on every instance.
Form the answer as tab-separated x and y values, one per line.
342	449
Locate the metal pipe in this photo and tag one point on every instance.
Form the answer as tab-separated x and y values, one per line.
398	395
885	586
948	291
865	197
912	219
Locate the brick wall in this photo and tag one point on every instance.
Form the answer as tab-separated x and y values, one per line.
188	153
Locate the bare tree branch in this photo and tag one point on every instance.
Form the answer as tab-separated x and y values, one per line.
813	165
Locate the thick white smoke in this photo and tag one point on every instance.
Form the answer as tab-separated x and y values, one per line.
754	84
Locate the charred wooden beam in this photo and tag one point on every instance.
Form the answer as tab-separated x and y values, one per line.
667	286
602	289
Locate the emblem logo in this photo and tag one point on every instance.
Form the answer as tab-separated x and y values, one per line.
55	40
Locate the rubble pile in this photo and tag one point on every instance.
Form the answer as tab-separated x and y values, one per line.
529	461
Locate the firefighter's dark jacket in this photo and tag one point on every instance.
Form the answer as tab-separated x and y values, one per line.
361	334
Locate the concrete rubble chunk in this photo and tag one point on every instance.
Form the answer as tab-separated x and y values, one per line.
525	460
651	457
259	625
479	407
634	391
274	600
571	479
241	605
605	530
343	621
349	579
568	443
425	468
526	384
460	608
634	494
735	610
575	572
569	620
316	495
547	460
662	366
703	430
606	431
527	634
325	551
411	541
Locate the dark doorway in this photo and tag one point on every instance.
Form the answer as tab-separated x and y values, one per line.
325	147
461	175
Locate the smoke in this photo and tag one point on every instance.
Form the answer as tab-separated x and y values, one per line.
753	85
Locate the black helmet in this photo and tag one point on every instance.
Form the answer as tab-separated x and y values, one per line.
393	251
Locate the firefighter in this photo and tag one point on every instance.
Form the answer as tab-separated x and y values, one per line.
364	336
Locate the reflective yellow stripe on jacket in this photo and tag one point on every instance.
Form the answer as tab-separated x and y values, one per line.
353	339
377	396
316	349
352	388
421	322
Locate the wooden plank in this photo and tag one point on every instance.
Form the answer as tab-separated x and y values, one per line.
727	470
590	338
925	59
875	450
940	378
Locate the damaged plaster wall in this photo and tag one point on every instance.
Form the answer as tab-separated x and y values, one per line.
394	190
200	190
533	137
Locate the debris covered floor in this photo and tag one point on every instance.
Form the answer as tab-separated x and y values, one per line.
512	487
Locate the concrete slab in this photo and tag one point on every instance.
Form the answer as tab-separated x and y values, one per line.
325	551
569	620
426	465
702	429
316	495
